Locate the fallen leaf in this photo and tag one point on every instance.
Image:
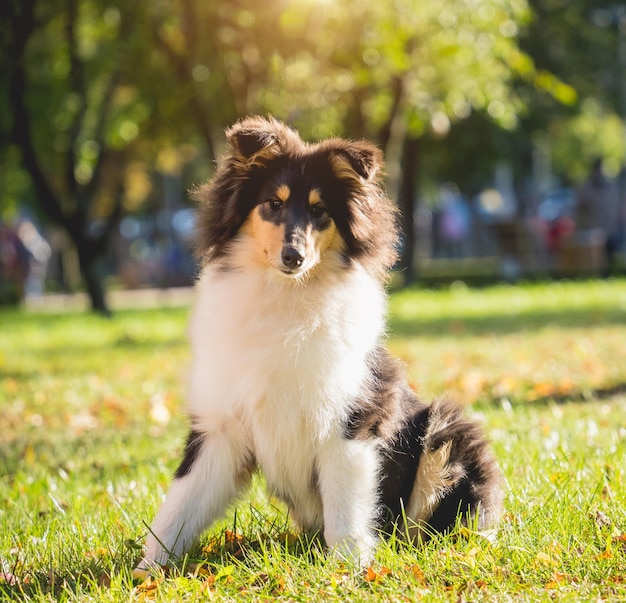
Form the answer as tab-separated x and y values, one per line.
620	541
559	578
546	559
203	570
104	581
148	585
97	553
9	578
418	574
606	554
279	585
370	574
543	390
337	579
602	520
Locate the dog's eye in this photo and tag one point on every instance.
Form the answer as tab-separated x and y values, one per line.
275	204
317	210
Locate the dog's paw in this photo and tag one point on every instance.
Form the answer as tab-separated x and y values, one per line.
147	567
140	573
356	553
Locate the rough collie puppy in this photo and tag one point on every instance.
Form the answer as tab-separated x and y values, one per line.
290	375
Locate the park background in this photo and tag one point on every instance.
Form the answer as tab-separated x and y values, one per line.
490	114
110	112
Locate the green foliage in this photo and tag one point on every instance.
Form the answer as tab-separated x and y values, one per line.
120	76
14	184
91	424
78	101
594	132
137	79
569	41
431	63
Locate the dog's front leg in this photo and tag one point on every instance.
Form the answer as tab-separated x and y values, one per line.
348	479
213	470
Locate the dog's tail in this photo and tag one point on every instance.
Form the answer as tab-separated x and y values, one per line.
457	477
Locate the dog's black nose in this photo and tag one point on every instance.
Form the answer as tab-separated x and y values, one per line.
292	258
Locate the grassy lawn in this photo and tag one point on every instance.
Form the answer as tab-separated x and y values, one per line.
91	428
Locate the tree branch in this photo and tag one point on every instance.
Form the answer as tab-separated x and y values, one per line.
77	87
183	69
384	135
23	22
105	106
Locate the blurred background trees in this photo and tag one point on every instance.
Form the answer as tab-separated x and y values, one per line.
107	107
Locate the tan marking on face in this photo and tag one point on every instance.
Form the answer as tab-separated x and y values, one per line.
283	192
267	239
314	196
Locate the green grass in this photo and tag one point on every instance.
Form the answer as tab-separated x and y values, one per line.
92	423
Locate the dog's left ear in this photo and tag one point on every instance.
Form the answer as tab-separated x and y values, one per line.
368	225
260	138
361	159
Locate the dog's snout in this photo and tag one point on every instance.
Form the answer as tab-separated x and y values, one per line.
292	257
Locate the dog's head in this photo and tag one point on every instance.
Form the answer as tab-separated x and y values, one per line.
292	204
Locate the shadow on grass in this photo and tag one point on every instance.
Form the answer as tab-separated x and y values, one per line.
279	540
75	577
505	323
80	358
576	395
213	563
51	452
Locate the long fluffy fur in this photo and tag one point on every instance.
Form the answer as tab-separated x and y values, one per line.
289	374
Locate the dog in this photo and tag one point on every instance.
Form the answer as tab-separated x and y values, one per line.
290	374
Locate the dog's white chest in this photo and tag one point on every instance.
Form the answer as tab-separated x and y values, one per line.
280	367
251	337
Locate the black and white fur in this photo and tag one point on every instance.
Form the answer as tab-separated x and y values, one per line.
290	375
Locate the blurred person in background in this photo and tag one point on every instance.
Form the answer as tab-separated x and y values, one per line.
13	265
454	221
596	212
39	253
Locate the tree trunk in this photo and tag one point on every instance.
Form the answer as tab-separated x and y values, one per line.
91	252
407	201
91	260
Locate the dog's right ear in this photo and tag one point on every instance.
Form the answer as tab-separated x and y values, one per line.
257	138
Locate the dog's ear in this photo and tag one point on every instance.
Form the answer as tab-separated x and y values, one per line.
257	138
367	218
355	159
249	137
